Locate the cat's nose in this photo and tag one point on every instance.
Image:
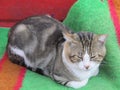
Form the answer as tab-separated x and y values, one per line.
87	67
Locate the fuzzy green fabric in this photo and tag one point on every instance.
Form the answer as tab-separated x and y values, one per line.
85	15
3	40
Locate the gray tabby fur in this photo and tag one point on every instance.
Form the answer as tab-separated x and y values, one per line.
42	40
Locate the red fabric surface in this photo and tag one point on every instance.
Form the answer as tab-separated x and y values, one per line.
12	11
115	18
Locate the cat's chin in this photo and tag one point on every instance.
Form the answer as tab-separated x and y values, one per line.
86	69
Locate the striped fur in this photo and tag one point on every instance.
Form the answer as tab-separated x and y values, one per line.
44	44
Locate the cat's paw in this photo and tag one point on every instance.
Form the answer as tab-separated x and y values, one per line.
77	84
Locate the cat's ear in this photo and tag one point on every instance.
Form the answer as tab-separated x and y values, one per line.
102	38
70	36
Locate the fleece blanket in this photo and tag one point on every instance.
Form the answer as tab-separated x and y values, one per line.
98	16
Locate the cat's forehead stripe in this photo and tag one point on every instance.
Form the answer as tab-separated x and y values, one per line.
86	39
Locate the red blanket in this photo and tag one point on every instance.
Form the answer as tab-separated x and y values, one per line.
12	11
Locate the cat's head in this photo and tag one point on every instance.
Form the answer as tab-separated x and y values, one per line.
85	50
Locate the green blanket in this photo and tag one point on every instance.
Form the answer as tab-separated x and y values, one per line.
3	40
85	15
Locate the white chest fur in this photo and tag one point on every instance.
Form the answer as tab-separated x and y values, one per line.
77	72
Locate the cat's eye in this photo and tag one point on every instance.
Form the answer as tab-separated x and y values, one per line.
80	57
75	58
96	58
100	55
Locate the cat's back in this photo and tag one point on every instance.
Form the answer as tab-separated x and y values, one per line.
37	24
44	29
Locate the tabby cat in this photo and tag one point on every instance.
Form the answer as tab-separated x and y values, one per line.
41	42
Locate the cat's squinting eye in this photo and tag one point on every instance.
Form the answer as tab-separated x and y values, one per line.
100	55
92	57
76	57
79	57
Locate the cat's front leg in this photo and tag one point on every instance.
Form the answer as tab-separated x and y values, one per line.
77	84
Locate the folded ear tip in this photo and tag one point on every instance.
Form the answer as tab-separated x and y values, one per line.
106	35
103	37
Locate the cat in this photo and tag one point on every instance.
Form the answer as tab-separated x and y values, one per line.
44	43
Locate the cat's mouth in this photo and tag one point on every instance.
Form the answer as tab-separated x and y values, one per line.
84	69
88	67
